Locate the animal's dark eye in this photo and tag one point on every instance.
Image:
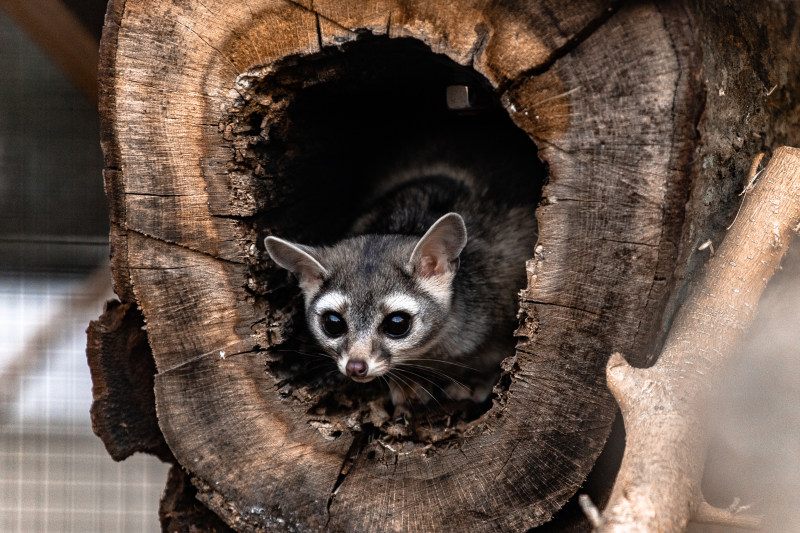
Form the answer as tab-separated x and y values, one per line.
333	324
397	325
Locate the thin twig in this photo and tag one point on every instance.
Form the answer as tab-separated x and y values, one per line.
705	513
707	244
751	181
589	509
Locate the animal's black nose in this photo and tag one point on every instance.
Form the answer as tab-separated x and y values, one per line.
356	368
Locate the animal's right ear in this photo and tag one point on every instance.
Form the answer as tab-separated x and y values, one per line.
436	253
297	259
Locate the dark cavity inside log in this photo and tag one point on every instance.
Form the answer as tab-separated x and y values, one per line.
319	132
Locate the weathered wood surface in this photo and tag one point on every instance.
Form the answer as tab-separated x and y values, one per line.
181	511
123	411
660	489
607	94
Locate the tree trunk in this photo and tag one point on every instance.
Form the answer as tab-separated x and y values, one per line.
225	122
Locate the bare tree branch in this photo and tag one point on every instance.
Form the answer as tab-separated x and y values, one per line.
734	516
658	486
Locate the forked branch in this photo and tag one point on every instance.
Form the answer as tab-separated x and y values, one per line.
658	485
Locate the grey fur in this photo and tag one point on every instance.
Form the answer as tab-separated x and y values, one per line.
463	308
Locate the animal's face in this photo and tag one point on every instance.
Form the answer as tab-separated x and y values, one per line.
377	302
371	328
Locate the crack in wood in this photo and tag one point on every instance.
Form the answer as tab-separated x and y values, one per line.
510	455
155	195
321	16
633	243
319	30
680	164
574	308
358	444
146	235
218	353
482	41
573	42
207	43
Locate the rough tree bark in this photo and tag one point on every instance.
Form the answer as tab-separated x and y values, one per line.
207	151
658	487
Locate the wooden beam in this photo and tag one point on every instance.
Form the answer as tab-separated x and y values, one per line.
60	34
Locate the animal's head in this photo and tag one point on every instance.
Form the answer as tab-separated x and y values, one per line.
375	302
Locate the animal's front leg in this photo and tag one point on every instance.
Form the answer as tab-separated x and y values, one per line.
404	394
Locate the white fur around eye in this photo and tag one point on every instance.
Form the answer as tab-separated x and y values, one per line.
400	302
332	301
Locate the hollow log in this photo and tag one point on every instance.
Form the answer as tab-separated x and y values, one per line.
224	122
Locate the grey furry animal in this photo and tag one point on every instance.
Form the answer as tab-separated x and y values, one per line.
423	294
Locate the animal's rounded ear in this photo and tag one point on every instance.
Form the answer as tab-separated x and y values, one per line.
297	259
437	252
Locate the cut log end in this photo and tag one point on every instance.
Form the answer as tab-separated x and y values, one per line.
311	115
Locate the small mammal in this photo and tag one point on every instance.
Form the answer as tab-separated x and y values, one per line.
423	293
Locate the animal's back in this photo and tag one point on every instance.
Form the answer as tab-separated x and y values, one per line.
501	236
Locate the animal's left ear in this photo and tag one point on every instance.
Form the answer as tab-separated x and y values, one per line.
300	261
436	253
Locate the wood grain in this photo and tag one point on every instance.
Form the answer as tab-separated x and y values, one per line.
660	490
601	91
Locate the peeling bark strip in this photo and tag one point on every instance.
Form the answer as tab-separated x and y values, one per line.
603	92
123	411
658	486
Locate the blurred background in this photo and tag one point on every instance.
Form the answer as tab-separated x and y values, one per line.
55	474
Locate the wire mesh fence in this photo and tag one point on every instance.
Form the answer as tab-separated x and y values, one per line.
55	474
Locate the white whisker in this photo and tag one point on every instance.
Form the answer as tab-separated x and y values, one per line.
462	365
439	373
561	95
420	385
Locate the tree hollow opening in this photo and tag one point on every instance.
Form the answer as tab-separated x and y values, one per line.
317	135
